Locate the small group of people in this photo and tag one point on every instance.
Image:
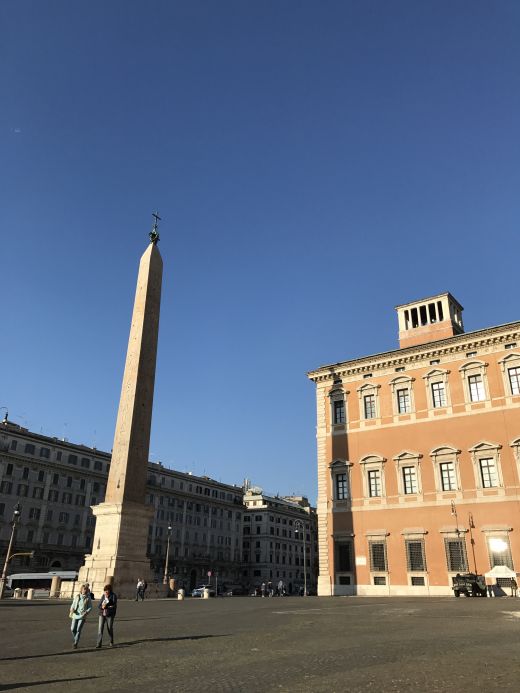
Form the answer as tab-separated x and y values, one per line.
267	589
141	588
81	607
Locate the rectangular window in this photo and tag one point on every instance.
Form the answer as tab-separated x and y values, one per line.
58	456
403	401
45	452
488	472
438	395
339	411
14	444
344	557
85	462
25	473
499	551
379	580
341	486
9	470
369	402
374	483
476	388
377	550
417	581
34	513
37	492
98	467
514	380
29	448
409	480
73	459
6	487
456	558
41	476
448	479
415	555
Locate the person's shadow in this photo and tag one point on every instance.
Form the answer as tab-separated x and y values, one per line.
117	646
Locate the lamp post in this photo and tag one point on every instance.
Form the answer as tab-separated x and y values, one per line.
165	578
300	526
472	541
14	522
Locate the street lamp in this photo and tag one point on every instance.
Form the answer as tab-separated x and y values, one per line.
300	526
165	578
14	522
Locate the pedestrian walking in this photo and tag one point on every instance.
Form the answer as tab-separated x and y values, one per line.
139	590
79	609
107	612
270	588
262	589
514	587
143	592
280	588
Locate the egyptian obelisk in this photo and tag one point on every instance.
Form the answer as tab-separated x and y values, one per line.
120	541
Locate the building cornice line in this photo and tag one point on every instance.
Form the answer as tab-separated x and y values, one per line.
459	343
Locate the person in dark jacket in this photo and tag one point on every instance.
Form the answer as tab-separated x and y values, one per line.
107	612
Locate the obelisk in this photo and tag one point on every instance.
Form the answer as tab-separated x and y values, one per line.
120	541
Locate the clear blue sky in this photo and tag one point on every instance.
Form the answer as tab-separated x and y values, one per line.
315	164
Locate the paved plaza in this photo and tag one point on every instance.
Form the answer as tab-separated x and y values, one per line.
280	644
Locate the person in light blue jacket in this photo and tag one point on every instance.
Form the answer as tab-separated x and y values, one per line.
79	609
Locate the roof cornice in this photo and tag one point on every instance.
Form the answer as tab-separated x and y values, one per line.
410	355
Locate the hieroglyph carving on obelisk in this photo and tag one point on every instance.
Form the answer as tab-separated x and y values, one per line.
120	541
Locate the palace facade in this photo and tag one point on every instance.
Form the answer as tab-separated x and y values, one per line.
419	457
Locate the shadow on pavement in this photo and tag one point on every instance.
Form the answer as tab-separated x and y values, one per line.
117	646
26	684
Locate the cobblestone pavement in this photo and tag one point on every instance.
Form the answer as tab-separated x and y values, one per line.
280	644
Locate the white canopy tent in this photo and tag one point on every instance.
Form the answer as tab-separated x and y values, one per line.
500	571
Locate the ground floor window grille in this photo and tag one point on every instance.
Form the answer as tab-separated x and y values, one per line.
344	580
379	580
417	581
415	557
456	556
377	551
344	557
499	551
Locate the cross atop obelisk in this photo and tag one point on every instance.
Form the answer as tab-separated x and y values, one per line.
120	541
154	233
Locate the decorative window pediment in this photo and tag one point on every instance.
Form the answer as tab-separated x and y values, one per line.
440	373
407	456
484	446
444	450
339	464
368	387
372	459
401	380
473	365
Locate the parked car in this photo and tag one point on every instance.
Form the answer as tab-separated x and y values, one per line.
469	584
198	591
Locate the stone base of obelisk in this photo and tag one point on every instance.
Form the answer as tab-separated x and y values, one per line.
119	549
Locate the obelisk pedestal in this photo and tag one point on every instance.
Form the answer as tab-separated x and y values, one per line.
120	541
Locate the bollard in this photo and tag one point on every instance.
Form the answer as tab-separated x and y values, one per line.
30	593
55	587
180	595
17	594
205	593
